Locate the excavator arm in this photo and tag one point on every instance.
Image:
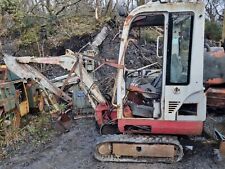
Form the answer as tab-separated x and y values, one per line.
70	61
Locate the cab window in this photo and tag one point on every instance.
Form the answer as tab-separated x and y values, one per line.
179	48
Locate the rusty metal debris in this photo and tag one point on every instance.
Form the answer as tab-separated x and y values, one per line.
65	61
77	75
25	71
139	103
83	116
220	133
64	121
18	97
216	97
73	62
222	149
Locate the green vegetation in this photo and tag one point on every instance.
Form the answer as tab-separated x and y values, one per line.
9	6
150	35
27	22
213	30
35	130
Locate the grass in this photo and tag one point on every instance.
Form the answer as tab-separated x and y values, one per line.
35	130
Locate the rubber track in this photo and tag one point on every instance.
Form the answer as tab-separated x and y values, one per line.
168	140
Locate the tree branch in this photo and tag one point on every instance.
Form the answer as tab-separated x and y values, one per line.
66	6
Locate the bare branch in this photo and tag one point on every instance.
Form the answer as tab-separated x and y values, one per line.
66	6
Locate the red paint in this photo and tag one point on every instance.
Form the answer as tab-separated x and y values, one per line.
217	54
136	89
113	115
127	112
164	127
100	109
128	20
102	114
157	126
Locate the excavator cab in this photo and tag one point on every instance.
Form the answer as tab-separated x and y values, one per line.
160	87
163	95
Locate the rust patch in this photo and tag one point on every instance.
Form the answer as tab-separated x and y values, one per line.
218	54
135	89
216	97
127	20
127	112
222	149
215	81
118	66
143	150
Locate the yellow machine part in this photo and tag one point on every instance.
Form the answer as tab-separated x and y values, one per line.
24	107
24	104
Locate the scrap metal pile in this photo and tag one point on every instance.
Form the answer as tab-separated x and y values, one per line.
96	60
24	88
127	92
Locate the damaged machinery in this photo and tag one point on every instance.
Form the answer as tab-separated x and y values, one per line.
17	97
214	76
158	98
142	120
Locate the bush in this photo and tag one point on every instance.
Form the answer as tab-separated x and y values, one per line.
213	30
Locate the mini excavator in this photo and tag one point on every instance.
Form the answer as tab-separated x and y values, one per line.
156	103
152	105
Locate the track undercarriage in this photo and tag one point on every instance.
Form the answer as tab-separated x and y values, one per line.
138	148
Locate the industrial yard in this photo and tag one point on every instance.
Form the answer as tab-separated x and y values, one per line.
115	85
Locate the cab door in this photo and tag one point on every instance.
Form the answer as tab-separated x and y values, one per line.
184	65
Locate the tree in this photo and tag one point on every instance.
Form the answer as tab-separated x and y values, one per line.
109	7
213	30
97	9
214	9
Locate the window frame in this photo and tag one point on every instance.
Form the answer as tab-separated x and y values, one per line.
169	49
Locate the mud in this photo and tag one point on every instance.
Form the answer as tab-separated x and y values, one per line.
75	150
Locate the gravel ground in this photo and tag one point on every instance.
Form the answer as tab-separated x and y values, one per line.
75	150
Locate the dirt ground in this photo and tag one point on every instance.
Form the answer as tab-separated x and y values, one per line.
74	149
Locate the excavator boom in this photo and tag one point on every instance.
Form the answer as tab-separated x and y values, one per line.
69	61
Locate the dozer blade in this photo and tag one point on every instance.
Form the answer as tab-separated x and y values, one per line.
134	148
